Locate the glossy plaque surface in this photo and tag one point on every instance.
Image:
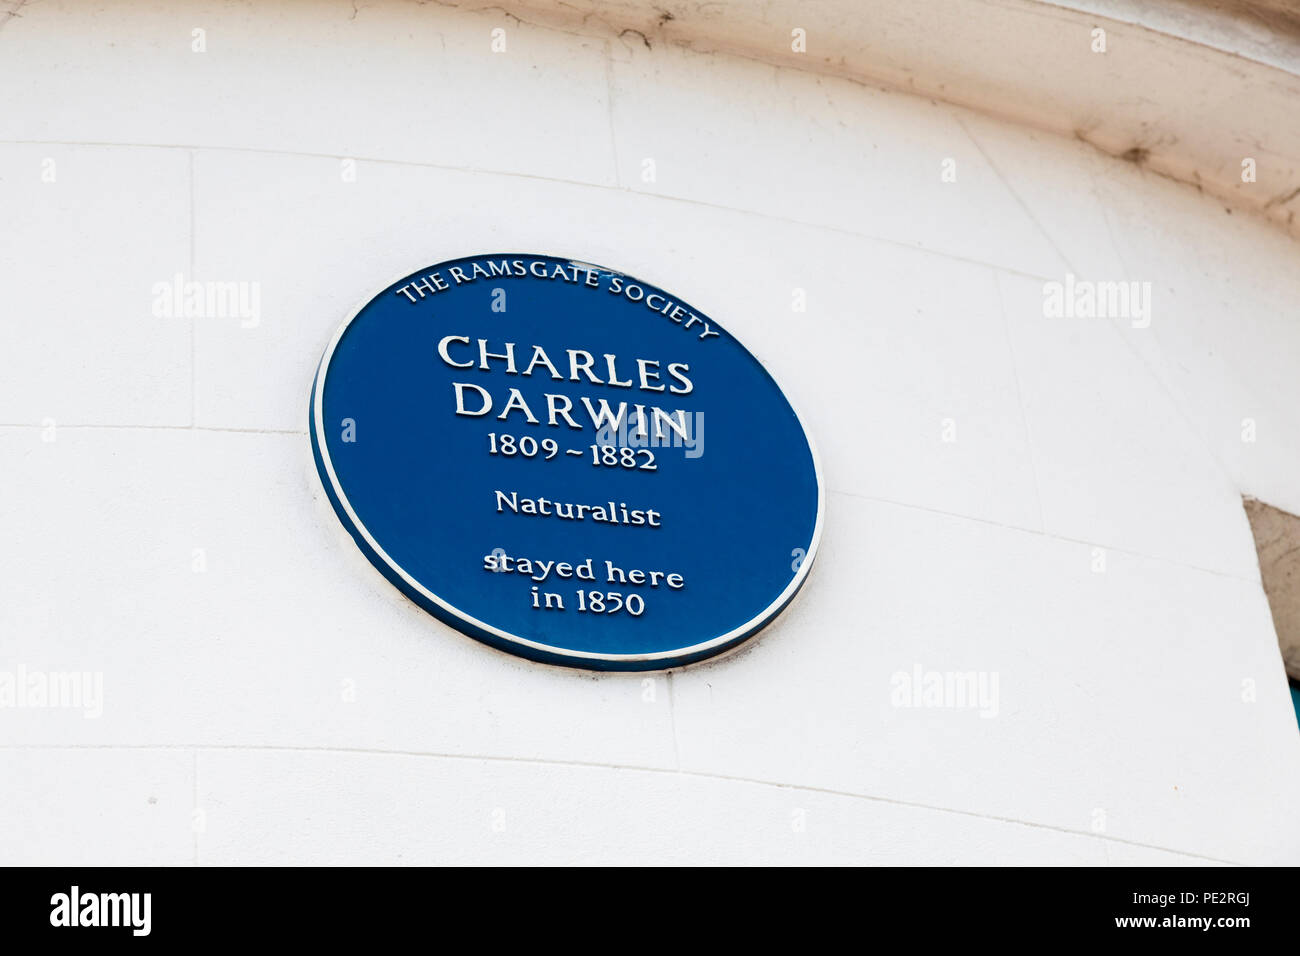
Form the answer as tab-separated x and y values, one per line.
565	462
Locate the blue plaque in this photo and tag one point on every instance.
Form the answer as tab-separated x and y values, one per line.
566	463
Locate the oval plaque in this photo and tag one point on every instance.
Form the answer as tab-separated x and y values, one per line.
566	462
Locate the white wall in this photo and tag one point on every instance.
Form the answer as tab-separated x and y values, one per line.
1120	691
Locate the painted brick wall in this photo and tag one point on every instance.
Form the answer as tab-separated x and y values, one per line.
1054	501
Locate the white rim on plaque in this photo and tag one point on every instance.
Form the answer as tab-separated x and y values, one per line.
750	627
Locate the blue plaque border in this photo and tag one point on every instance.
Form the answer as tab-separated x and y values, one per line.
495	637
